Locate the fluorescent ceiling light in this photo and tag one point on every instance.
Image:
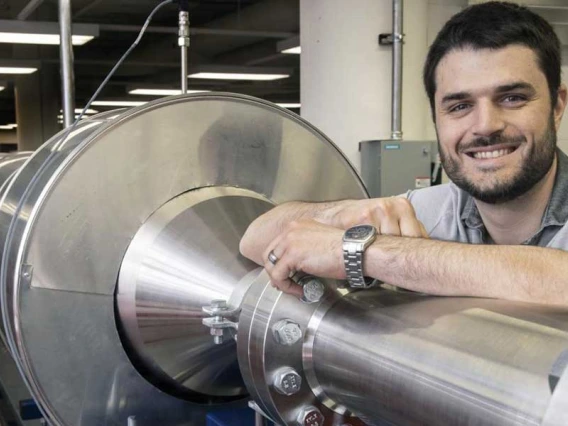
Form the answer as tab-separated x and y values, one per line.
162	92
118	103
8	126
237	76
60	117
79	110
17	70
289	105
21	32
52	39
293	50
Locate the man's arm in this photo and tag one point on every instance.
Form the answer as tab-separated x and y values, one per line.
524	273
391	216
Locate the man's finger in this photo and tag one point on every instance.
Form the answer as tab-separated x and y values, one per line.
389	226
410	227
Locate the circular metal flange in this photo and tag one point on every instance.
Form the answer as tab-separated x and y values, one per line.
185	256
76	205
263	354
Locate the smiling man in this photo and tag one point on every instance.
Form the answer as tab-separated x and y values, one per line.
499	229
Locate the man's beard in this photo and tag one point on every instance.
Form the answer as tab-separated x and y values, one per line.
536	163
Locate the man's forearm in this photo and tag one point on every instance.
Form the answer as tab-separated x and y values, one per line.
530	274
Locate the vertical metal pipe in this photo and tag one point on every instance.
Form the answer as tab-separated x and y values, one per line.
397	38
66	56
183	42
184	70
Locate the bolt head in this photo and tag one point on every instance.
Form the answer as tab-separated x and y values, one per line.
287	381
312	288
287	332
310	416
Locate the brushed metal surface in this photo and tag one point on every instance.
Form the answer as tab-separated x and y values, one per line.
439	361
183	257
557	412
74	208
262	355
10	163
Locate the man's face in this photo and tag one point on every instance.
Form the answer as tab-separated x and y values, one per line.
495	124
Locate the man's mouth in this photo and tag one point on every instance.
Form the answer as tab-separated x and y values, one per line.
490	152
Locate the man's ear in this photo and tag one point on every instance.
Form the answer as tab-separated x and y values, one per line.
560	105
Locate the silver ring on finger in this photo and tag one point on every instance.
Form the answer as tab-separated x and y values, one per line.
272	258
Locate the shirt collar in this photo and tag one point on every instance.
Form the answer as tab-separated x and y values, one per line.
556	213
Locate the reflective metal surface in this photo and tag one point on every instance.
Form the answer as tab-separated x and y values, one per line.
263	354
182	258
557	412
439	361
9	165
76	207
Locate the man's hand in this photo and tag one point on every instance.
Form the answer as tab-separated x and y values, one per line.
391	216
307	246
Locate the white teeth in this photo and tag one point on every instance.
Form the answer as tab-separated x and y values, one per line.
492	154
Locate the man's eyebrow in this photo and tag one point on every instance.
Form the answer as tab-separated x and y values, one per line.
517	85
458	96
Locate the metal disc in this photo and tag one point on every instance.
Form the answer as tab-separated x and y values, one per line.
183	257
83	201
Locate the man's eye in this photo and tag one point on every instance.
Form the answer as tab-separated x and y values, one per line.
459	107
511	99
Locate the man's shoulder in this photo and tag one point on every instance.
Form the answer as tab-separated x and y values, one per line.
439	206
435	197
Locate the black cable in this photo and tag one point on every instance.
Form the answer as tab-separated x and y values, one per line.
118	64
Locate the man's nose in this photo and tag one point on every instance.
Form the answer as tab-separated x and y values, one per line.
489	120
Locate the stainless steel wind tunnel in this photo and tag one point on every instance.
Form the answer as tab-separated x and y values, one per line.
124	295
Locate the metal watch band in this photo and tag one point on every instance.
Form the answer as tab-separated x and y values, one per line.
354	269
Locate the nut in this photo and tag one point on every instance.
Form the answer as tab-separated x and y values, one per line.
287	381
219	303
310	416
286	332
312	288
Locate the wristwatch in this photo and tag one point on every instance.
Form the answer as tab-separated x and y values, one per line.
355	241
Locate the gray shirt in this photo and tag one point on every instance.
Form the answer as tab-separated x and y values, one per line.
450	214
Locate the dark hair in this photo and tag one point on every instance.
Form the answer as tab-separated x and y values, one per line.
494	25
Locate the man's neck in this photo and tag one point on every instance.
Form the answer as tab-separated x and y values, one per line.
516	221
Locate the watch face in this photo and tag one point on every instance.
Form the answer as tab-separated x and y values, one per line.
359	232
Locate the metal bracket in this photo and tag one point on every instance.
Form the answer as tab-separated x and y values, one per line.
218	321
388	39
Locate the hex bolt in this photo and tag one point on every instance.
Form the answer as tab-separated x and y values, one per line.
286	332
217	334
287	381
309	416
312	289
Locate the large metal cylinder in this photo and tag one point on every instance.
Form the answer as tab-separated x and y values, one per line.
426	360
124	295
119	234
